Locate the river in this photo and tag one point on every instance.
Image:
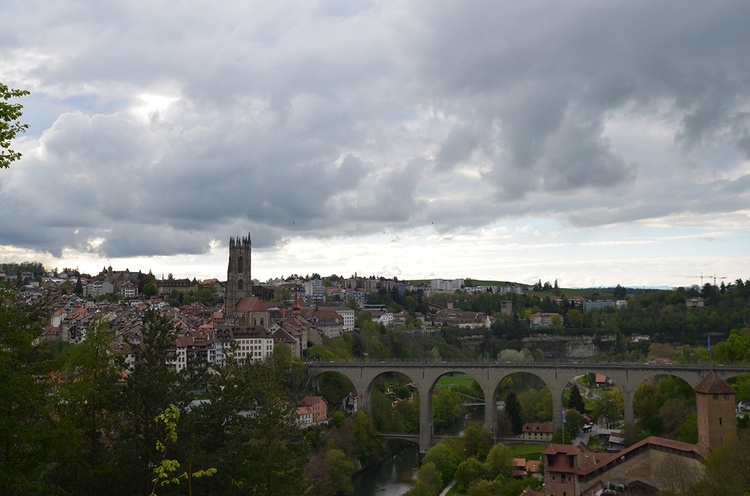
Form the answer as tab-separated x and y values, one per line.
395	475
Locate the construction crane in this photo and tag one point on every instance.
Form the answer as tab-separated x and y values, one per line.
707	276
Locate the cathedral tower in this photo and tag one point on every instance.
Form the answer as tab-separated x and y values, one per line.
239	278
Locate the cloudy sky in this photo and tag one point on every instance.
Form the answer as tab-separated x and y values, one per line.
596	143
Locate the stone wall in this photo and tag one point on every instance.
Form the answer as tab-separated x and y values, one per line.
582	347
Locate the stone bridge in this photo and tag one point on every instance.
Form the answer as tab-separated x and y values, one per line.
556	375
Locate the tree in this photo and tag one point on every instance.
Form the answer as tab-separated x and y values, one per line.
445	459
609	407
477	440
467	472
429	481
619	293
88	409
499	461
337	479
150	388
150	290
576	400
26	427
513	408
10	113
166	470
727	469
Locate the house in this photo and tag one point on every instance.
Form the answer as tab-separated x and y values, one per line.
696	302
538	431
542	320
349	403
602	381
319	407
304	416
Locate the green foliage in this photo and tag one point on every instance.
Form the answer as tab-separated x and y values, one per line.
513	409
430	478
446	461
446	407
150	290
10	113
727	469
574	423
576	400
476	441
609	407
338	474
499	461
27	428
166	470
467	472
663	408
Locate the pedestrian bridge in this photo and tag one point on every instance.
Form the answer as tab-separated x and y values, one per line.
488	374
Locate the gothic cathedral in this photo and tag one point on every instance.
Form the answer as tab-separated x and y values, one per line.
239	279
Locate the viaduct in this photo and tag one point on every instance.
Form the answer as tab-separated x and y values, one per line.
556	375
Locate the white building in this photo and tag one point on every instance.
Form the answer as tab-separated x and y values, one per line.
443	285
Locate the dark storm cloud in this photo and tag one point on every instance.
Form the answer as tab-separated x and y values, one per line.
343	119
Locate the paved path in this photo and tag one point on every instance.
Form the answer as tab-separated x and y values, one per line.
450	486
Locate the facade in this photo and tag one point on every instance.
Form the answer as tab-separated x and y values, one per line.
538	432
443	285
315	292
561	470
597	304
319	407
717	419
349	403
304	416
348	315
544	320
244	343
239	275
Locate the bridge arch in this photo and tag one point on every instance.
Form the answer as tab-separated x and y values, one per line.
488	374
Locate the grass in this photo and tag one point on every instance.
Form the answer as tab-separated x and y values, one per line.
528	451
456	380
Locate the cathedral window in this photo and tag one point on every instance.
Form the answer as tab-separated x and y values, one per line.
240	266
239	284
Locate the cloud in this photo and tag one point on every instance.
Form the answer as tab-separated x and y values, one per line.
162	128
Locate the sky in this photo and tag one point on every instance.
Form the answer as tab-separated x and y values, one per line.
593	143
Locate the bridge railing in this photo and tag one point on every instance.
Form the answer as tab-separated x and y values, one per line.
526	363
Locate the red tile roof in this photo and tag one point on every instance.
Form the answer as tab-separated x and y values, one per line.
714	384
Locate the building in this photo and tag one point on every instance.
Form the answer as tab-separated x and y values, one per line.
244	343
349	403
239	275
597	304
542	320
304	416
561	470
717	419
319	407
538	432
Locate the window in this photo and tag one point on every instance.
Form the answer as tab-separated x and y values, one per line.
240	267
239	284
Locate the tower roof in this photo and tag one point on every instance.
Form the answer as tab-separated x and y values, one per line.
714	384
